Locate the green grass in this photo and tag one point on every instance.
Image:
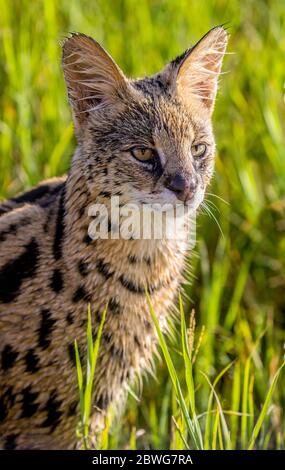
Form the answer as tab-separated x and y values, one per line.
210	429
237	281
85	384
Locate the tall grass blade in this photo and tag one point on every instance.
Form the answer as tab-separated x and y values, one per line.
264	409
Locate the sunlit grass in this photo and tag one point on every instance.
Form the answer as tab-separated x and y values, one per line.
85	383
241	427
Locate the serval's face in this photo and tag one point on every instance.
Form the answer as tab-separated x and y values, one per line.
148	140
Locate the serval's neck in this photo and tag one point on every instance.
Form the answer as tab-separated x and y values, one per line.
135	264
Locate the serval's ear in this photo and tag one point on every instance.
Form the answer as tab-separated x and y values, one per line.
93	79
194	75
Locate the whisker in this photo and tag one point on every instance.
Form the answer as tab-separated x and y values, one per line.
210	203
218	197
210	213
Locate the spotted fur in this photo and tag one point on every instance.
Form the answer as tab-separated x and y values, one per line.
50	269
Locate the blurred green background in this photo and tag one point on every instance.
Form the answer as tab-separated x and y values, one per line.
238	278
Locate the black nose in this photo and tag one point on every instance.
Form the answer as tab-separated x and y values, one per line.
184	187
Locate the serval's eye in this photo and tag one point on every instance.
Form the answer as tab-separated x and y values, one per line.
146	155
198	150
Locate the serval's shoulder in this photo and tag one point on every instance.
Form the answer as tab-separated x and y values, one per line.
42	195
27	217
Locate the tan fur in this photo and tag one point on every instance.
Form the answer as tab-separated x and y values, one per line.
54	270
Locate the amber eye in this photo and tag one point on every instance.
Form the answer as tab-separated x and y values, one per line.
143	154
198	150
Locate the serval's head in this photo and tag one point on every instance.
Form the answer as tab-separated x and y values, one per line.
147	140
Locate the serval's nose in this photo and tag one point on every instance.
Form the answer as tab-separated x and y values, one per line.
183	186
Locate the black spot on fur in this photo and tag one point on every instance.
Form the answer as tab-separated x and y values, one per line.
83	268
5	207
107	337
56	282
71	353
52	407
133	259
114	306
147	260
117	352
81	294
104	269
48	219
72	408
7	400
32	195
137	341
106	194
147	325
17	270
49	199
11	442
98	316
32	361
104	171
138	288
59	231
45	329
3	409
129	285
102	402
81	212
10	397
87	240
70	318
11	230
8	357
29	407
